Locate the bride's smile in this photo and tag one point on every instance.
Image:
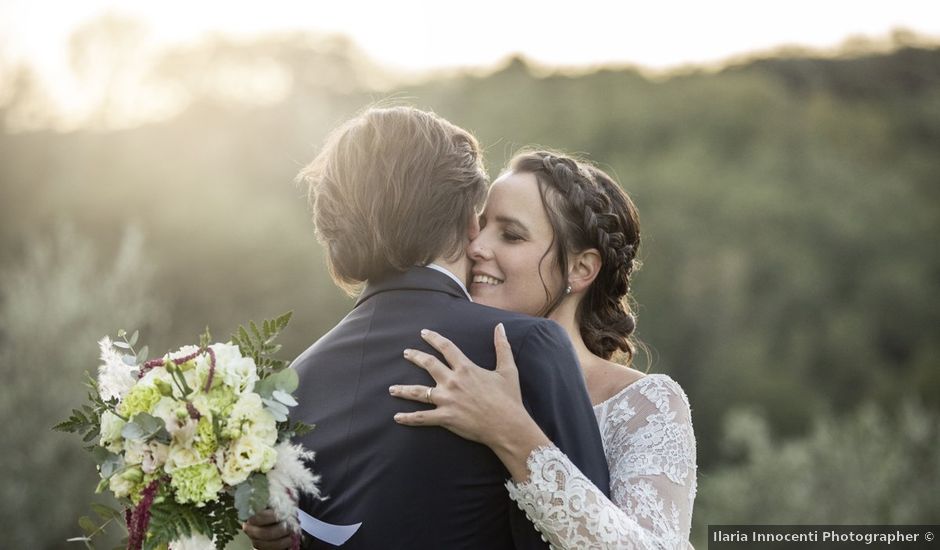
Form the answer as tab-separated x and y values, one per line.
514	261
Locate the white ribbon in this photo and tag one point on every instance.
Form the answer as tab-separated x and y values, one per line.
337	535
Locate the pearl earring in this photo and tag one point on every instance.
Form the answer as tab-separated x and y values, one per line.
568	289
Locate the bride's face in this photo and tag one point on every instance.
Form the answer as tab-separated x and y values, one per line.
507	255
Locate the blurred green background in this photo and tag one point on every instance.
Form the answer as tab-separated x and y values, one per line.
790	280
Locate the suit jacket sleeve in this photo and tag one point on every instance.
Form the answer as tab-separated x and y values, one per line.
554	393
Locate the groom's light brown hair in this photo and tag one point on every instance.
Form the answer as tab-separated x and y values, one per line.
393	188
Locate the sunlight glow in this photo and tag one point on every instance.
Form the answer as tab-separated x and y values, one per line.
414	36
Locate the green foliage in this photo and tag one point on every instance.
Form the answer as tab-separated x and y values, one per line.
171	521
252	496
86	420
868	467
56	300
259	343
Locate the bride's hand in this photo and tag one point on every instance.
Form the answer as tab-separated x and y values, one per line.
475	403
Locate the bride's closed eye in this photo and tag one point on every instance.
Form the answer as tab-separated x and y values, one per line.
512	237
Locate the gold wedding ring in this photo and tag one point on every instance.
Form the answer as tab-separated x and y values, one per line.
427	396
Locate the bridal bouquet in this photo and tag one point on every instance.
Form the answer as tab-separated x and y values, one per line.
195	442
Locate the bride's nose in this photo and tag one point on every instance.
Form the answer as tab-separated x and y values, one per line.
477	250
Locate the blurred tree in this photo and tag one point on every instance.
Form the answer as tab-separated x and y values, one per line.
55	303
871	467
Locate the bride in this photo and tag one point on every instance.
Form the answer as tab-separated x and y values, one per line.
559	239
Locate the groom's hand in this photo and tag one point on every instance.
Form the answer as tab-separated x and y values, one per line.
267	532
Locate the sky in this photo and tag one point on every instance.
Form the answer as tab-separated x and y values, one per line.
418	35
413	36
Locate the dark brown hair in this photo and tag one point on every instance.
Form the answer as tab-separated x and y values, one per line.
588	209
393	188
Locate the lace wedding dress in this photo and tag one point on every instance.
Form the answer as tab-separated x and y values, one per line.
650	447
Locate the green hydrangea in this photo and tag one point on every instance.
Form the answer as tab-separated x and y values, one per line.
221	398
139	399
205	443
198	483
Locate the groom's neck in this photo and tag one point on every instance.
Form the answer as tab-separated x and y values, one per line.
460	268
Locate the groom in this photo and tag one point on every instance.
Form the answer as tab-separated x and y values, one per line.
395	193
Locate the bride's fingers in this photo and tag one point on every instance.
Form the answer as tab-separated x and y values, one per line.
411	393
431	417
428	362
451	352
504	358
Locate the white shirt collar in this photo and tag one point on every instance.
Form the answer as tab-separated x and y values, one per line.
463	287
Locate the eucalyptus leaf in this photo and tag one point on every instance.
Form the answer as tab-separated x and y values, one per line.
121	345
285	398
142	426
260	494
265	388
286	380
243	500
133	340
100	454
129	360
87	525
105	512
275	407
142	356
111	465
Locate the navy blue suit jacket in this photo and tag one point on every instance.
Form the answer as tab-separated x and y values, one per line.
425	487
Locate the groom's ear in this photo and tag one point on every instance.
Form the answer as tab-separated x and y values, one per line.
583	268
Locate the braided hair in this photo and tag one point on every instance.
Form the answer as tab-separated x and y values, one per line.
588	209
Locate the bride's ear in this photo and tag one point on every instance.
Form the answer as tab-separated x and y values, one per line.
583	268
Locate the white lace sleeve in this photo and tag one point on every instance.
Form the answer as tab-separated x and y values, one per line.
650	448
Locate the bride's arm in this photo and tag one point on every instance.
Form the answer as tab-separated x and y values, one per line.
652	479
648	511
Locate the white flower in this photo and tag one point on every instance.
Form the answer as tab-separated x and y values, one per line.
246	455
115	378
181	456
236	371
249	417
155	456
197	541
157	373
119	486
290	477
111	426
134	451
176	419
151	455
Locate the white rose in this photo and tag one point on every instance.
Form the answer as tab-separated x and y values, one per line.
155	456
120	486
246	455
134	451
249	417
181	456
236	371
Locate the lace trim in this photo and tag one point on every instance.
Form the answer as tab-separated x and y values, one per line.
650	446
